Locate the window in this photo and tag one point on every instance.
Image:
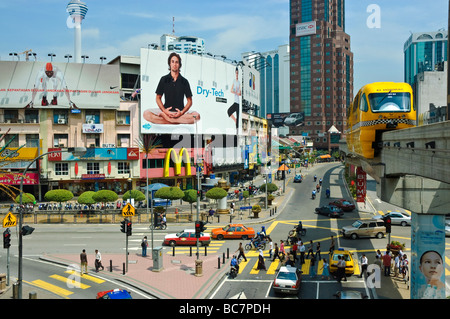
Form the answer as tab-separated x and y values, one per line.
123	140
93	168
32	140
61	169
14	142
31	116
92	140
93	117
11	116
123	117
390	102
60	117
123	168
60	140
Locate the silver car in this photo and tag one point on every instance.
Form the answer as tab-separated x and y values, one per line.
398	218
447	227
287	280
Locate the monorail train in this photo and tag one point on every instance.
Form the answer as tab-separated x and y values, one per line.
378	107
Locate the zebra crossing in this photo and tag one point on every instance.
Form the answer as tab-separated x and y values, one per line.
66	286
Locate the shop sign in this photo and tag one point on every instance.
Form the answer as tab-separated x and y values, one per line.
92	176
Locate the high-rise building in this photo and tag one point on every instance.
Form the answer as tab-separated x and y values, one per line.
184	44
321	67
424	51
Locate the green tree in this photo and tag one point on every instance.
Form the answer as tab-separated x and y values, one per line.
190	196
58	195
86	198
169	193
134	193
104	196
271	187
26	198
216	193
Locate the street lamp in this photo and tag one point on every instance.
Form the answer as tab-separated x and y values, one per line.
68	57
76	151
51	55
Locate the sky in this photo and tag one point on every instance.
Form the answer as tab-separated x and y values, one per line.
378	28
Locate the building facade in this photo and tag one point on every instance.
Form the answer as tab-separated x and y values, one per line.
424	52
321	65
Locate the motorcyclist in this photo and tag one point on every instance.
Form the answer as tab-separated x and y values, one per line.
299	227
314	193
320	181
327	192
315	178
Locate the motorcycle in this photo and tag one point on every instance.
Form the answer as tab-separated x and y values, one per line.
160	226
233	272
255	243
327	192
313	196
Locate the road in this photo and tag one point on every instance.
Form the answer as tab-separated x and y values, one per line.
250	283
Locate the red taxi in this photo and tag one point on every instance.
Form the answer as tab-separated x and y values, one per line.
187	238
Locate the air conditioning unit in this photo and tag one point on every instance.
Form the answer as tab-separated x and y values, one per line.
61	121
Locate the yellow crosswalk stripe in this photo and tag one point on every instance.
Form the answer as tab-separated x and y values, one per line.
52	288
85	276
306	266
273	267
255	269
70	282
319	267
242	265
357	270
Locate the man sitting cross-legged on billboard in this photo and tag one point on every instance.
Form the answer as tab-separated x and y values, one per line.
174	87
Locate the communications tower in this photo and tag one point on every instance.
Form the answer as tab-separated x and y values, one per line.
77	11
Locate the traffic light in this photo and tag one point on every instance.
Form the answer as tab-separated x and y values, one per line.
387	223
197	229
6	238
202	226
129	226
123	226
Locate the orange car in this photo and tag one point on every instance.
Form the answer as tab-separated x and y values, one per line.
233	231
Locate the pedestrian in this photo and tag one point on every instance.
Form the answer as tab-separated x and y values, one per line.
310	249
377	261
231	208
294	251
396	265
325	269
261	264
341	269
241	252
318	251
144	245
276	253
387	264
364	264
302	254
282	251
312	266
404	266
84	262
270	246
332	245
98	261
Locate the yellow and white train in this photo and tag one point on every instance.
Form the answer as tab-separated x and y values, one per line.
378	107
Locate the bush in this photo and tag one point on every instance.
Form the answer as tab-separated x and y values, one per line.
216	193
86	198
26	198
256	208
271	187
104	196
134	193
58	195
171	193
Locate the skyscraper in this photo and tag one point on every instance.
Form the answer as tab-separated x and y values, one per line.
321	68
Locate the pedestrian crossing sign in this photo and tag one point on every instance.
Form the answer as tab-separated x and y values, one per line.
128	210
9	221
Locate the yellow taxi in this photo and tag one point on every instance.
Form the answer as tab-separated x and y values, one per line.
349	262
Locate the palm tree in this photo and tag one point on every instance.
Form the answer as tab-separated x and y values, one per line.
147	143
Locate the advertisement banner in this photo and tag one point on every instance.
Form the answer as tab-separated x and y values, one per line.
14	179
307	28
252	86
40	84
213	86
427	259
96	154
361	179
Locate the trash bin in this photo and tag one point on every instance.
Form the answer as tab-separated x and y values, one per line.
157	259
198	268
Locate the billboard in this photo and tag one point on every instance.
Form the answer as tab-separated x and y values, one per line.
286	119
306	28
39	84
214	87
251	85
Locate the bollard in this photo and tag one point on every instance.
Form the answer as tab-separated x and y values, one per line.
218	262
206	253
228	253
16	290
123	272
223	258
173	251
110	265
190	251
32	295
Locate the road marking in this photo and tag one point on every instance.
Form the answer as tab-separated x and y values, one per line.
273	267
52	288
242	265
70	282
85	276
306	266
